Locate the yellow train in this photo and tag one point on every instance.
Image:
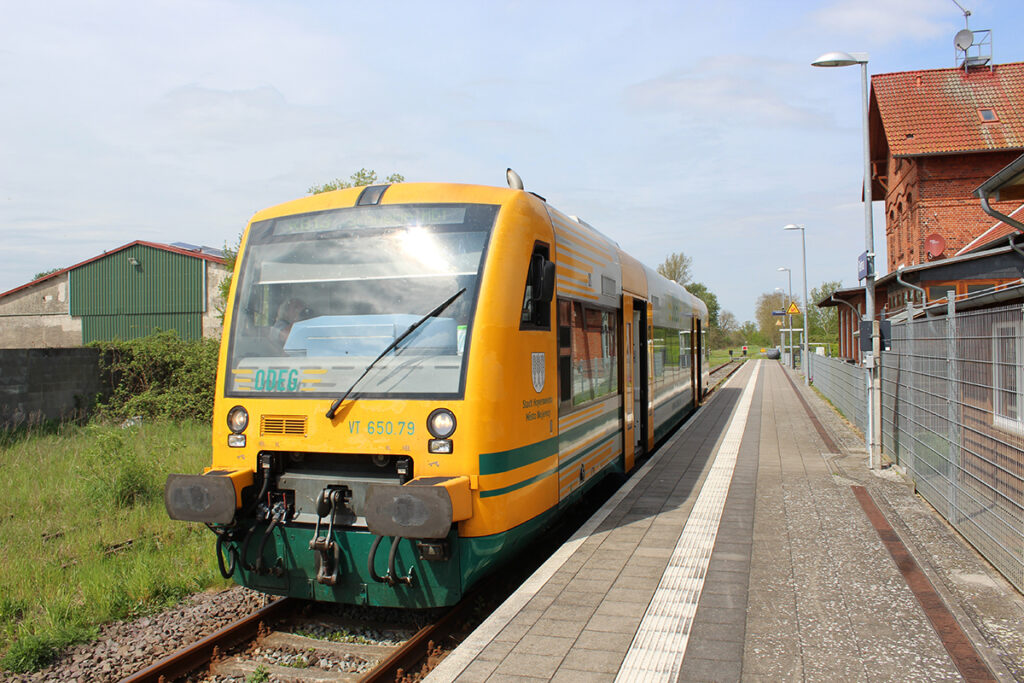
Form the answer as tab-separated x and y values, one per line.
417	379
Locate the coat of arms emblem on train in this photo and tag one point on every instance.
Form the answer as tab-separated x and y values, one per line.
538	372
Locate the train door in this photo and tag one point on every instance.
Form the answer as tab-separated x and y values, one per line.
641	364
698	354
629	375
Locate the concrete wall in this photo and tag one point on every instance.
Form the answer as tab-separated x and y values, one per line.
46	384
212	323
37	317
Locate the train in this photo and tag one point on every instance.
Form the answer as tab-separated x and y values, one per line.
418	379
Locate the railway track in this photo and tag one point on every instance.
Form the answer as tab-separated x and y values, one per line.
295	640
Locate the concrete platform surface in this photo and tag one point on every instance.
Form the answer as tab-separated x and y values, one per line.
756	545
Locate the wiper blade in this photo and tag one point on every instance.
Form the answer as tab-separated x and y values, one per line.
398	340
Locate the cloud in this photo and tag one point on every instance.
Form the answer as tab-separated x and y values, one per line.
731	90
887	21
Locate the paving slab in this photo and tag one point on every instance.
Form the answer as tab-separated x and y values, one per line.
795	582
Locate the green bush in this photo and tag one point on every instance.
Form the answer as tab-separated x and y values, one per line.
159	376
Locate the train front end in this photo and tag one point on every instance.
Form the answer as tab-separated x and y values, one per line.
345	443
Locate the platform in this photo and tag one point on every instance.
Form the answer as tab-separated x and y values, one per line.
756	545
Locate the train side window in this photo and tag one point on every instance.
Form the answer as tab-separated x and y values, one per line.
564	351
588	353
540	287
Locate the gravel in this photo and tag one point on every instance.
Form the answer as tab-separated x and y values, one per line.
122	648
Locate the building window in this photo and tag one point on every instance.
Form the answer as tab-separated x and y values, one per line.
1007	377
987	115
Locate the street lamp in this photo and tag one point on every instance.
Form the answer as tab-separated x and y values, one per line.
789	318
806	360
873	435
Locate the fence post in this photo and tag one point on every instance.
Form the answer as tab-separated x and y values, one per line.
953	435
911	402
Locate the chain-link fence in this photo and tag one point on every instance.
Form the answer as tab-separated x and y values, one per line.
953	417
845	386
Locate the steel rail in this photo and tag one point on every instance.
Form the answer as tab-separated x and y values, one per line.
201	652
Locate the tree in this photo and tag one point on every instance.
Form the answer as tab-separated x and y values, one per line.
823	322
750	334
676	267
766	303
358	179
700	290
51	271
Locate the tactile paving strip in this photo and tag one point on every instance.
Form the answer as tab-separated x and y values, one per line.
659	645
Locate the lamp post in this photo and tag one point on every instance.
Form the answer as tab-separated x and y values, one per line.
789	318
806	360
873	434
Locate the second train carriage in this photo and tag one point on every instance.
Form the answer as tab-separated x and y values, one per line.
415	381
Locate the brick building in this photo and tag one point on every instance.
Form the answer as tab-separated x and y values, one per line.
935	136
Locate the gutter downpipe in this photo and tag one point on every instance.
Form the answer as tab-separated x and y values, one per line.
1013	223
924	296
856	313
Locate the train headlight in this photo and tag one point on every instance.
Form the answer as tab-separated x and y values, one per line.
439	446
441	423
238	419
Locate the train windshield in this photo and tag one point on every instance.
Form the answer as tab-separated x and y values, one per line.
321	295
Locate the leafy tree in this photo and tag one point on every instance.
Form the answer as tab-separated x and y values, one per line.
45	273
766	303
751	335
700	290
676	267
358	179
823	322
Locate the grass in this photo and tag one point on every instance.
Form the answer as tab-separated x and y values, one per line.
719	356
84	535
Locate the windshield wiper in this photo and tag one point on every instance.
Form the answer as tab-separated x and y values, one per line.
398	340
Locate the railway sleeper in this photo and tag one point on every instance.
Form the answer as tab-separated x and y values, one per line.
347	661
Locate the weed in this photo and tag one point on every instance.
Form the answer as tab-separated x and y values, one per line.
260	675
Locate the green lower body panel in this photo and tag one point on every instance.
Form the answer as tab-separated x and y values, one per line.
289	566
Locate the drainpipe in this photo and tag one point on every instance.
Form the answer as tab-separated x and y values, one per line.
856	313
924	296
1013	245
983	196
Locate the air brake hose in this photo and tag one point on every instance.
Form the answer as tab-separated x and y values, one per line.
226	572
274	521
372	555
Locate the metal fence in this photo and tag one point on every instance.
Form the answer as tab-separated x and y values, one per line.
844	385
953	418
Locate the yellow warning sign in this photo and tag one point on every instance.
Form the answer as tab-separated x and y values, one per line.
793	310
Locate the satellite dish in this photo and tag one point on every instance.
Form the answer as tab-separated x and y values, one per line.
964	39
934	244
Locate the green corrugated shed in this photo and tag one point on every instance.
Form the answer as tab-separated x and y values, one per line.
97	327
133	291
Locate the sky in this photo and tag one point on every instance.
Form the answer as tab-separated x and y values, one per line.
671	126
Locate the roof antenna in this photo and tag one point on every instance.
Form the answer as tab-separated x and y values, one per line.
965	39
514	181
967	14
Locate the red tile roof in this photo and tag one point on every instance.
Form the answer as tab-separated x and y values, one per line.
937	111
